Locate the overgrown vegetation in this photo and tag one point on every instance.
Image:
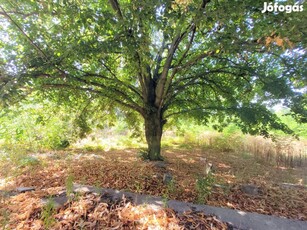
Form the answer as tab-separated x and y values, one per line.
280	149
56	130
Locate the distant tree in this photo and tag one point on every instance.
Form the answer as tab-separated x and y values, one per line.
220	59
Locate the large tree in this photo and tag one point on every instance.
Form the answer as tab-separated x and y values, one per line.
221	59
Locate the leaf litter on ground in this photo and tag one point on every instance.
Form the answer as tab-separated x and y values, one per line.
94	211
124	171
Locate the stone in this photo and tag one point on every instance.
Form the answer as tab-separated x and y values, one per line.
208	168
292	186
58	201
250	189
25	189
160	164
237	219
219	186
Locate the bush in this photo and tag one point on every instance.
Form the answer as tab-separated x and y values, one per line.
37	126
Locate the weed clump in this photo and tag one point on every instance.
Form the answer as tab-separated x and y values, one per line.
47	213
203	187
143	154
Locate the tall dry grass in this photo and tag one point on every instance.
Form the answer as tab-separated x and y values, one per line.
284	151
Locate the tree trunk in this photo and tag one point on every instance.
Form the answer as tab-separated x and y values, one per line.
153	133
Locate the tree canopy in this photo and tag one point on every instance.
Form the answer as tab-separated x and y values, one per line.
220	59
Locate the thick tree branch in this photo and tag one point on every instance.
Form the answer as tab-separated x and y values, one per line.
162	78
116	8
24	15
177	88
204	3
189	45
163	85
104	93
194	60
117	92
115	80
158	61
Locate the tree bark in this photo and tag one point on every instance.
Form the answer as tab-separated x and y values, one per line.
153	132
